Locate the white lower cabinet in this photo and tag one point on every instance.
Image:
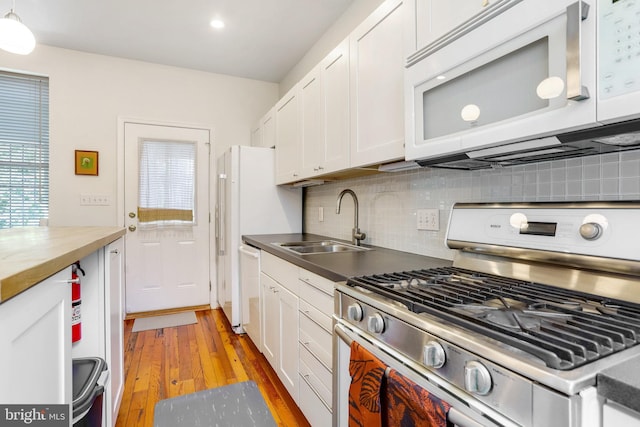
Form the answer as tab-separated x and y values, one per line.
614	415
280	319
297	306
271	331
35	335
35	338
288	322
102	317
316	352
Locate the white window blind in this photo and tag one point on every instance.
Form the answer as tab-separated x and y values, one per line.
24	149
166	183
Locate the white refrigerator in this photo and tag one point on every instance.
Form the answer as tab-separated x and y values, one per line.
248	202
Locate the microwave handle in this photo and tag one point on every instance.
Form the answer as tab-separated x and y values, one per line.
576	13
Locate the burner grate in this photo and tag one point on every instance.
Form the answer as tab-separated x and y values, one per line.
563	328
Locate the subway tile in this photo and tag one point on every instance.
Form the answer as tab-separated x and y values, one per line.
388	201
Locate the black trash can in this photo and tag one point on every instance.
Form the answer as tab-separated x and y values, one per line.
87	393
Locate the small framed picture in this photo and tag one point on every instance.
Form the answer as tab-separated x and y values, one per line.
86	162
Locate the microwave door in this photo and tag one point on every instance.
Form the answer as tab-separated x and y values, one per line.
525	74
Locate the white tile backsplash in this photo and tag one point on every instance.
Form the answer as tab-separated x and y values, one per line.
388	202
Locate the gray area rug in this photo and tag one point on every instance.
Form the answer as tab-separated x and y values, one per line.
164	321
239	405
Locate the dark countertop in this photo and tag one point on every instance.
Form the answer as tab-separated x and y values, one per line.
621	384
339	266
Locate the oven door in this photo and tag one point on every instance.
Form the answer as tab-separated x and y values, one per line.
465	411
527	73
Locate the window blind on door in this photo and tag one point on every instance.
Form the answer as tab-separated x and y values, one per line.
167	175
24	149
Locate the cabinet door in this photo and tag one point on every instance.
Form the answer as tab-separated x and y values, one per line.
435	18
35	338
256	135
288	357
114	269
334	75
268	127
614	415
311	128
287	138
270	316
377	76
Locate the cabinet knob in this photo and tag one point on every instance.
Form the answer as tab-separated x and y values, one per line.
132	228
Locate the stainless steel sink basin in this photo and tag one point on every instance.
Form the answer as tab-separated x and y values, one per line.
320	247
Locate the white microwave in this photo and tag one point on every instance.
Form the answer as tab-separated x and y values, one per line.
521	76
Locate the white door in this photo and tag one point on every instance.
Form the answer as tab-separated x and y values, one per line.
166	211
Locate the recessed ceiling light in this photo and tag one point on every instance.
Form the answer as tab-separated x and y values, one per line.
441	77
217	23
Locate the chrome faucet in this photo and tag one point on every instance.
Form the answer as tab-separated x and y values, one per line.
356	235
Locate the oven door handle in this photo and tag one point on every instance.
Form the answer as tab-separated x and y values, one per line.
458	418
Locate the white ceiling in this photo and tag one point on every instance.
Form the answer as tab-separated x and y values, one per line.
263	39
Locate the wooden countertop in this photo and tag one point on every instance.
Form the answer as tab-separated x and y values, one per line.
31	254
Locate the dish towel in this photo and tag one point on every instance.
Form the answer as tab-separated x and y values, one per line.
367	375
408	404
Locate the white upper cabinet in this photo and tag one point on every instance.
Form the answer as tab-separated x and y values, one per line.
287	138
377	75
263	132
268	129
437	19
334	73
256	135
324	115
311	129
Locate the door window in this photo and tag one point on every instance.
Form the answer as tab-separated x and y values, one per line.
167	182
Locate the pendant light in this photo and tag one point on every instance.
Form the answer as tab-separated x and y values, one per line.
15	37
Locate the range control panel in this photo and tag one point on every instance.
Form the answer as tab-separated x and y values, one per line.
595	229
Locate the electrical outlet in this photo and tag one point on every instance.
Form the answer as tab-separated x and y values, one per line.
428	219
320	214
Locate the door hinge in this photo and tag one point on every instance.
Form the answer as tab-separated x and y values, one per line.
209	285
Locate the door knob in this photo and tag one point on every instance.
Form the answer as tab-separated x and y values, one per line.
132	214
132	228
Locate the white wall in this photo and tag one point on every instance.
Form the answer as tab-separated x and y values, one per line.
348	21
388	202
89	92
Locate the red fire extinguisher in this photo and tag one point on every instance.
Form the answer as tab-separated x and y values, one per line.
76	301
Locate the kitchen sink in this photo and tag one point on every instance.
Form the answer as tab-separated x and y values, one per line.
320	247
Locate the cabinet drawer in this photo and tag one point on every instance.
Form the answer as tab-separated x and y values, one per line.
317	297
317	341
311	404
280	270
316	315
320	378
325	285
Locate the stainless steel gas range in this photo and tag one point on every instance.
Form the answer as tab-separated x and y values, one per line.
540	298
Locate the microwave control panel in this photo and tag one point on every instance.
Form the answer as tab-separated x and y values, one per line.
619	47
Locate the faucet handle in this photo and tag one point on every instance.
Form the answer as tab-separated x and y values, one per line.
357	236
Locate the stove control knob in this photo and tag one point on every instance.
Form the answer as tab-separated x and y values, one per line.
354	312
590	230
477	378
433	355
375	324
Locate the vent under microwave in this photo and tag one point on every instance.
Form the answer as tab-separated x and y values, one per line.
616	137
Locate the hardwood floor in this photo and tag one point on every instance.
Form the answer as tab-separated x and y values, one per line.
169	362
